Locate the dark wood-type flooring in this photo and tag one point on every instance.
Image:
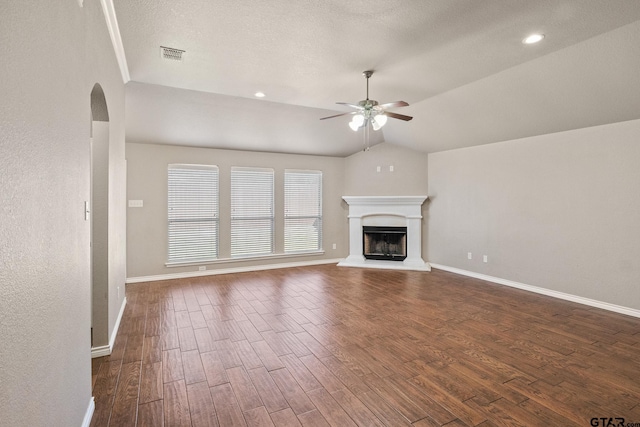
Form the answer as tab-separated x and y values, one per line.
327	345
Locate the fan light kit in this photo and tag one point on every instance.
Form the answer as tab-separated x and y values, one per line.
369	111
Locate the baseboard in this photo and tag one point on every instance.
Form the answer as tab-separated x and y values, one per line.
100	351
244	269
117	325
543	291
89	414
105	350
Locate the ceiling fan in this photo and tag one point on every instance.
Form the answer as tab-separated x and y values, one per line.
370	111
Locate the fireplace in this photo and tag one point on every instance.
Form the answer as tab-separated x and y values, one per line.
384	243
398	222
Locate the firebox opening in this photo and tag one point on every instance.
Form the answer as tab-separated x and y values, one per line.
384	243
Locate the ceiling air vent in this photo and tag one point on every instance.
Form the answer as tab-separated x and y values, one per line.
171	53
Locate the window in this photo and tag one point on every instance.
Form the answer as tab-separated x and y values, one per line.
192	213
251	212
302	211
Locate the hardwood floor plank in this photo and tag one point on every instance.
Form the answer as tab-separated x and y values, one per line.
204	340
295	396
243	388
151	349
297	368
267	390
313	345
285	418
321	372
192	367
346	376
277	344
201	408
313	419
247	355
187	339
383	409
169	338
151	384
197	319
227	409
176	405
124	413
258	417
329	408
128	382
228	354
150	414
249	331
357	410
152	326
172	365
268	357
213	368
133	351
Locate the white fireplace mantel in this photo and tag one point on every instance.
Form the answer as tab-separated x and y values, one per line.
402	211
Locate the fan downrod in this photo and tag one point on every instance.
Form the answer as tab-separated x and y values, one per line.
368	74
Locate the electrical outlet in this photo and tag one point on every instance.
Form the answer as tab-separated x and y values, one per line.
334	246
391	168
378	169
202	268
485	259
469	255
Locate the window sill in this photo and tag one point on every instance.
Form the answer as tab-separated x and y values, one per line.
244	259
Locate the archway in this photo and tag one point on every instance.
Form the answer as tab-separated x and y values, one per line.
99	223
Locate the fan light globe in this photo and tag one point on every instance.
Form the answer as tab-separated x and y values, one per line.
380	119
356	122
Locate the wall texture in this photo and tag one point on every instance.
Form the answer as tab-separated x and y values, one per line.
147	226
558	211
57	51
409	176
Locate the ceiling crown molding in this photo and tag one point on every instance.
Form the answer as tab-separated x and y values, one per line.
112	24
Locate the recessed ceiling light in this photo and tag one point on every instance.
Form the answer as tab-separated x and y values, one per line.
533	38
259	95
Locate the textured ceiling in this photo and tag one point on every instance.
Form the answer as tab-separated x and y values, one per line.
461	65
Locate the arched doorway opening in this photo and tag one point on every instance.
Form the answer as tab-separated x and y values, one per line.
99	208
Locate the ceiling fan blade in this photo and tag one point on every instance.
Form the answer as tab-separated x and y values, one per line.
398	116
337	115
350	105
394	104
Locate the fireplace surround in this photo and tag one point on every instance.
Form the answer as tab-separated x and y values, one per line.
389	212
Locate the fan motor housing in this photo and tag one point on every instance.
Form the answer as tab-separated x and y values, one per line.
368	103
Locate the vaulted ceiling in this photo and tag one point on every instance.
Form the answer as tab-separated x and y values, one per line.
461	64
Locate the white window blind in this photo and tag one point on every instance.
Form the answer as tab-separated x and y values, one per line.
251	212
302	211
192	213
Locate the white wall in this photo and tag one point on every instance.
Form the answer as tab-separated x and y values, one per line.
558	211
56	52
